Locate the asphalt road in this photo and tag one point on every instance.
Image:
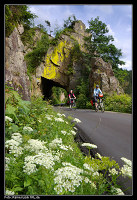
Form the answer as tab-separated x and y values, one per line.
110	131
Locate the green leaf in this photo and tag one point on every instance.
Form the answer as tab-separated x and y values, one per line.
18	189
27	183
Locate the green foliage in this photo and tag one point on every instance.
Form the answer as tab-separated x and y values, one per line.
119	103
17	14
70	21
125	79
27	36
36	56
101	43
56	92
25	174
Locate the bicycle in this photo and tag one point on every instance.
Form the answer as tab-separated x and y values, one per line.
100	104
72	103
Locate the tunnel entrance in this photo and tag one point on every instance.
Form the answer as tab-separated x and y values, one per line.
46	87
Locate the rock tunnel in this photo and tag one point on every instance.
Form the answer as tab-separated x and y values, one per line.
46	87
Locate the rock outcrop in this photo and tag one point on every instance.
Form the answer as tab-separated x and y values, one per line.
102	74
15	66
58	58
59	68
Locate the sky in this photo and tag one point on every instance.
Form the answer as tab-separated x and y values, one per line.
118	19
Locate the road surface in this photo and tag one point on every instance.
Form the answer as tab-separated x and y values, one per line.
110	131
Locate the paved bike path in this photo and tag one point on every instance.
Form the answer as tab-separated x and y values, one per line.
110	131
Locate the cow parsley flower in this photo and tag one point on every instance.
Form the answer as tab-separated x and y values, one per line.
59	119
113	171
89	145
67	178
73	132
98	155
88	167
63	132
8	119
35	145
14	144
77	120
117	191
8	192
127	162
126	170
27	129
17	137
43	159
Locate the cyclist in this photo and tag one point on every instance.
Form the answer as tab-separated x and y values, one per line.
97	90
71	96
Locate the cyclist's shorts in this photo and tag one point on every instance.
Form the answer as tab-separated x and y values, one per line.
96	99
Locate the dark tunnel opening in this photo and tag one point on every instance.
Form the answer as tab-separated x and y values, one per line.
46	87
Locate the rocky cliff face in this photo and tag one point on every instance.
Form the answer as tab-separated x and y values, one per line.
59	68
102	75
58	59
15	66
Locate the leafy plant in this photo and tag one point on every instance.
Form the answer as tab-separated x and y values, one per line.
35	57
100	44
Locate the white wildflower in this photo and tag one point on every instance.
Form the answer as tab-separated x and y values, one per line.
48	118
43	159
117	191
127	162
55	143
75	128
63	132
93	185
126	170
14	144
77	120
73	132
27	129
67	178
7	161
113	171
88	167
60	115
8	192
87	180
99	156
17	137
95	174
8	119
89	145
59	119
35	145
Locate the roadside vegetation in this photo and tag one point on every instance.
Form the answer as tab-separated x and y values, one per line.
42	157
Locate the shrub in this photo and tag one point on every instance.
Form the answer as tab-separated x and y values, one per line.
119	103
81	101
35	57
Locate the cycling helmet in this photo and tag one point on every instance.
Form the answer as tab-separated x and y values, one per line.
97	86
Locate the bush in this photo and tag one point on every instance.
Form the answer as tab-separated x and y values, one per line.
81	101
119	103
35	57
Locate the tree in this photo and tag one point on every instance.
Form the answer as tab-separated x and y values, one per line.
17	14
49	25
70	21
101	45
